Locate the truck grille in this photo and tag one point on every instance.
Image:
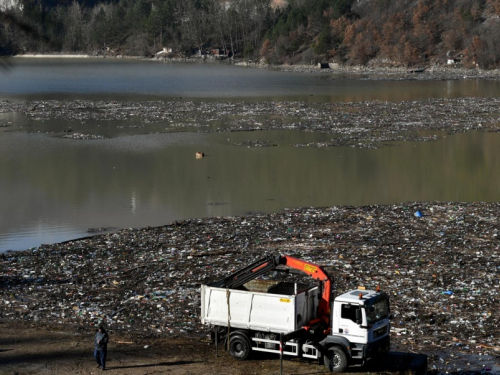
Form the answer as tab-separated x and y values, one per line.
380	332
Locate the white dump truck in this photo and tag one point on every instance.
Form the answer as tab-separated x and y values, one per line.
293	319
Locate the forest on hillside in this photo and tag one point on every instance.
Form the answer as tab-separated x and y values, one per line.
354	32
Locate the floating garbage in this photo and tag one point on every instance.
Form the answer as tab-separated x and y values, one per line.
356	124
83	136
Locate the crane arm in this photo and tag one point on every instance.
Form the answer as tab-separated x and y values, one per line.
270	263
250	272
316	272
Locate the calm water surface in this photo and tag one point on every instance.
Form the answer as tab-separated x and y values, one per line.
136	79
54	189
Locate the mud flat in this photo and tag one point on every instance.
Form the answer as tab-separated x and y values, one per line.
439	262
58	56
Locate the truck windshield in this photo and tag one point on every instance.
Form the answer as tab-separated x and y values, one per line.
377	310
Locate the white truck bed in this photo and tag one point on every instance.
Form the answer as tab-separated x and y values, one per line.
270	311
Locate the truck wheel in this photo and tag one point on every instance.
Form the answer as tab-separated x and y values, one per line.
335	360
239	347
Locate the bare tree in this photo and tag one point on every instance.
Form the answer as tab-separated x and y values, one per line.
74	27
196	22
218	11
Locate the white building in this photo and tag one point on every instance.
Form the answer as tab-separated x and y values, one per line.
9	4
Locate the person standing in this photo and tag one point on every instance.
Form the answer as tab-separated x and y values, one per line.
101	347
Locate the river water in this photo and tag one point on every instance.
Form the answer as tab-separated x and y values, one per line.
54	189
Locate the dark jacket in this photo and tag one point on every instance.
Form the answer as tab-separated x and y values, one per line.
101	340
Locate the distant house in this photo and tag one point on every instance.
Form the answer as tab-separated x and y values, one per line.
454	60
164	52
220	52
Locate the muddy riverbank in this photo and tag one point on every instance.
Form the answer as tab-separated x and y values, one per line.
439	263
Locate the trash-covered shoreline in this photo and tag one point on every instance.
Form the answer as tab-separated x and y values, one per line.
438	261
430	73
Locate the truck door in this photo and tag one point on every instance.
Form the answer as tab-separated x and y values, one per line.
350	321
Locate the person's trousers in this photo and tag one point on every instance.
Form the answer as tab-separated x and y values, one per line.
100	357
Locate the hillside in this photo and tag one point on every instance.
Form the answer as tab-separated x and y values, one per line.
353	32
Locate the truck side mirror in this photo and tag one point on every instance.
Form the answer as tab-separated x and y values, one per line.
359	319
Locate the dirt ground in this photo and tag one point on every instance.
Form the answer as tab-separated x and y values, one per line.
25	350
40	350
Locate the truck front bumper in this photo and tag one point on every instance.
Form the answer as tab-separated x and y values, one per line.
377	349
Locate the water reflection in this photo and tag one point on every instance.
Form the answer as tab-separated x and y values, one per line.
5	64
112	79
54	189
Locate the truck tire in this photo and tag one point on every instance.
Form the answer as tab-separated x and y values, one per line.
239	346
336	360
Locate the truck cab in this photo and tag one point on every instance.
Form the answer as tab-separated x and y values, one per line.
360	326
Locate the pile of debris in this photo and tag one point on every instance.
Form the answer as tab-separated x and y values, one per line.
439	262
83	136
357	124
